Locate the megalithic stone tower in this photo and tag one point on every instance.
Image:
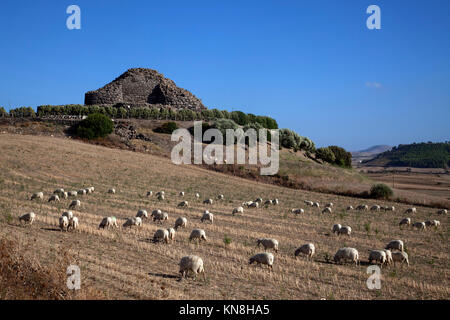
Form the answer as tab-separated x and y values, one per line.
144	87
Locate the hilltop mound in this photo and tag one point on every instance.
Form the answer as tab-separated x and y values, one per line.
143	87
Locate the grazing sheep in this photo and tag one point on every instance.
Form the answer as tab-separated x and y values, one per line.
268	202
378	256
297	211
160	197
73	223
37	195
411	210
88	190
316	204
349	208
388	257
327	210
419	225
395	244
275	202
27	218
405	221
330	205
347	254
92	189
198	234
183	204
307	249
160	216
309	203
391	208
142	214
181	194
193	264
68	214
197	195
207	216
135	221
59	192
75	204
160	193
65	195
400	256
220	197
82	192
336	228
63	223
73	193
442	211
433	223
161	235
180	222
149	193
345	230
263	258
268	243
54	197
238	210
375	208
208	201
258	200
362	207
105	223
112	191
247	204
254	205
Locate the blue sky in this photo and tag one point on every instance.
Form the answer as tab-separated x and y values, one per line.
312	65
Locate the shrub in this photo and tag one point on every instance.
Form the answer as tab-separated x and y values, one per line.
381	191
326	155
222	125
96	125
343	158
167	127
3	112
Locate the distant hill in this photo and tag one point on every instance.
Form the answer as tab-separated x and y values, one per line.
369	153
416	155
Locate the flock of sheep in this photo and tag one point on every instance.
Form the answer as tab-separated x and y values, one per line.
393	252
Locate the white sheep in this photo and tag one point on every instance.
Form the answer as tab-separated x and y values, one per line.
309	203
92	189
54	197
433	223
192	264
68	214
181	194
112	191
378	256
75	204
27	218
238	210
330	205
327	210
160	216
419	225
37	195
336	228
65	195
82	192
171	233
254	205
347	254
362	207
268	243
316	204
180	222
63	223
161	235
198	234
400	256
395	244
59	191
258	200
405	221
183	204
411	210
247	204
388	257
207	216
349	208
208	201
142	214
298	211
391	208
73	193
263	258
345	230
268	202
442	211
73	223
135	221
197	195
220	197
88	190
149	193
160	197
105	223
375	208
307	249
275	202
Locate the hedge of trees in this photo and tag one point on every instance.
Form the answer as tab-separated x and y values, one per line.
335	155
3	112
419	155
292	140
22	112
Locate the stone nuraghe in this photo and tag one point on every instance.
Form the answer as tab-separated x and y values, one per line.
144	87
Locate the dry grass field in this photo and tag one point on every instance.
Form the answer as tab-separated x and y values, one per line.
125	264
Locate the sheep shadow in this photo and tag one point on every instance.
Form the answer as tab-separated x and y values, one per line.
164	275
51	229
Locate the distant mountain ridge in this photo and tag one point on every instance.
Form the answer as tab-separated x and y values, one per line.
369	153
416	155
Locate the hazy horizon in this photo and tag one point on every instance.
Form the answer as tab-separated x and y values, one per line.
314	67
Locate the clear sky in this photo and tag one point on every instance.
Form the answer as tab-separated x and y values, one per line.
312	65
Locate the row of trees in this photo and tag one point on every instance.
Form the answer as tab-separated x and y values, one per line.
22	112
335	155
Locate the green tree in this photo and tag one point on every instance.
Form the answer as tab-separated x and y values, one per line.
326	154
96	125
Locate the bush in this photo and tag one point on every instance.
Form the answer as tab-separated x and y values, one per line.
167	127
96	125
381	191
343	158
326	155
3	112
223	125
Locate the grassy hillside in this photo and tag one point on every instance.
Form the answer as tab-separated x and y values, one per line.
125	264
419	155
